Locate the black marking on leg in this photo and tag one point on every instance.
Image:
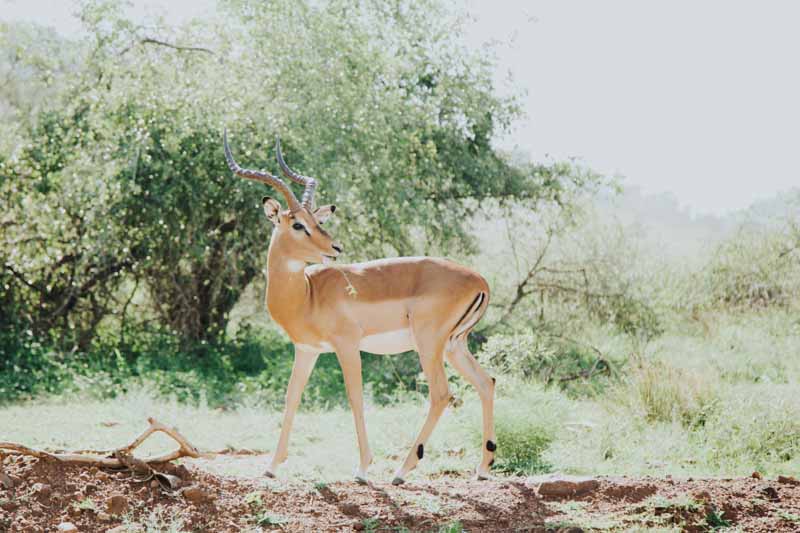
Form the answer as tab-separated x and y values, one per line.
491	463
491	446
420	451
494	380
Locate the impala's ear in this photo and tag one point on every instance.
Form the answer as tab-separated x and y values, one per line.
271	209
323	213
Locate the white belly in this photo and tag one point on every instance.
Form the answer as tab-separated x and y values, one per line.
390	342
322	348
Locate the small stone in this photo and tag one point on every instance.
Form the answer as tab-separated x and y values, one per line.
5	481
756	475
703	496
104	517
788	480
182	472
9	505
67	527
102	476
771	493
42	489
561	488
350	509
196	495
359	526
90	488
117	504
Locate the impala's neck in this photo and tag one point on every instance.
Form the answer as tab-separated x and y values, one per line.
287	286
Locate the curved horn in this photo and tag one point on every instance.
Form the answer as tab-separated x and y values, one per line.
263	177
309	184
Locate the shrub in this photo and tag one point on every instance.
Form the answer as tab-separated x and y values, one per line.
27	367
659	392
549	359
753	269
526	423
251	368
755	429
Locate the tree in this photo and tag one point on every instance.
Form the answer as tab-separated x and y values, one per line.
379	100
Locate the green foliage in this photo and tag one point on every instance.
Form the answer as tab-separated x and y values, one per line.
452	527
661	393
252	368
27	368
549	359
371	525
755	268
631	316
526	424
715	520
118	190
755	428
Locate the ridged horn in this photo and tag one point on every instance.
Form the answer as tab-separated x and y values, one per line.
309	184
263	177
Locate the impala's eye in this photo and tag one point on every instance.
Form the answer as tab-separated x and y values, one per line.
298	226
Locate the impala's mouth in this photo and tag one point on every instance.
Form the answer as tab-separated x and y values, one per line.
328	258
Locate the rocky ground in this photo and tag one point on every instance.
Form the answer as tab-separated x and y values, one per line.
41	496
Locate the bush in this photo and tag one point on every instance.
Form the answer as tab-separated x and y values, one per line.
548	359
251	368
526	423
658	392
754	269
755	429
634	317
27	367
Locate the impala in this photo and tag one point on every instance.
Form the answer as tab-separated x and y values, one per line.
386	306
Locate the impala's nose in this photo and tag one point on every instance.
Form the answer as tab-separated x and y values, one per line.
337	247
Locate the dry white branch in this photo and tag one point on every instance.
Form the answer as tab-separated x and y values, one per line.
119	458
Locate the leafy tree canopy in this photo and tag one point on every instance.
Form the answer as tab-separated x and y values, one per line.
113	179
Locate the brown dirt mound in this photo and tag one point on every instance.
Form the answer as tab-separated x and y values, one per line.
39	496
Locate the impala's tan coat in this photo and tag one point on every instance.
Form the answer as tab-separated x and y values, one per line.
385	306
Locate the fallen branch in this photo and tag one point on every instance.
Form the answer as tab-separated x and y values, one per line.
118	458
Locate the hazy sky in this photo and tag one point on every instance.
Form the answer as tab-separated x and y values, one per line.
701	99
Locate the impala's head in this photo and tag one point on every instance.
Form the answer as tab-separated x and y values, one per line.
298	227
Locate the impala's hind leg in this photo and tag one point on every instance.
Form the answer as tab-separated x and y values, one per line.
465	364
431	357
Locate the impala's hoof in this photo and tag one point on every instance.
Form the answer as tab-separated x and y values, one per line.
361	480
398	481
269	474
482	477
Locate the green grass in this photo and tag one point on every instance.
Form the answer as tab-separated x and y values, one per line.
679	407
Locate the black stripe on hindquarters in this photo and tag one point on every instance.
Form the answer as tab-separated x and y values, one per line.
469	308
420	451
491	446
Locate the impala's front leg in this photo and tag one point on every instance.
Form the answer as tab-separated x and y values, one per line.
350	360
304	362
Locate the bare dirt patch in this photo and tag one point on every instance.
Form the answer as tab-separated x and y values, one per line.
39	495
